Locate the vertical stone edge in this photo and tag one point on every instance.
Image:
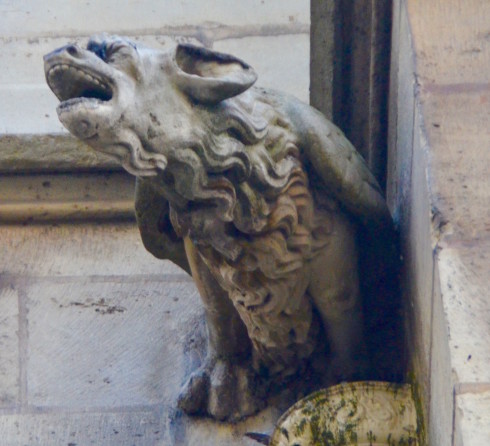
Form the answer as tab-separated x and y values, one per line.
441	403
407	196
361	60
381	28
322	53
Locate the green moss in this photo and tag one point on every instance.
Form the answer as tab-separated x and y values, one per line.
318	421
416	396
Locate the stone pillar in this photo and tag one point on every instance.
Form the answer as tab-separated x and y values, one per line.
349	72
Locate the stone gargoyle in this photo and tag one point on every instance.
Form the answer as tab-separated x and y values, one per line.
254	193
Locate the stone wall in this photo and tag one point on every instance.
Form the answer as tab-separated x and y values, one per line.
439	192
349	72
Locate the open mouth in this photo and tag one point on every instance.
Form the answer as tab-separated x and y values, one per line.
74	85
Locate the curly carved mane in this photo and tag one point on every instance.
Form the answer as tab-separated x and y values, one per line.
242	196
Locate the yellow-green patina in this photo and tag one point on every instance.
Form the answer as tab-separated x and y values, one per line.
361	414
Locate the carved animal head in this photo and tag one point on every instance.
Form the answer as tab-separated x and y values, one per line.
131	102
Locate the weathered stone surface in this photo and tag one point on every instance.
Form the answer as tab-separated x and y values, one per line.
402	114
351	413
68	18
97	316
472	422
282	62
440	376
11	342
20	115
61	197
78	250
350	63
113	342
323	52
49	153
21	58
138	428
451	40
458	131
464	289
154	426
418	267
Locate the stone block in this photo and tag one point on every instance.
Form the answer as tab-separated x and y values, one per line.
58	17
107	342
79	250
138	428
11	343
472	418
458	131
451	40
464	288
157	426
28	109
282	62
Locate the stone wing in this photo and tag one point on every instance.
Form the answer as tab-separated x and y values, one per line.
157	233
341	168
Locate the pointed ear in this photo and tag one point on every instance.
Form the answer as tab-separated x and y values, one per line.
211	77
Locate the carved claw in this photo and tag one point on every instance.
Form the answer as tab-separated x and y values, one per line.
222	390
194	395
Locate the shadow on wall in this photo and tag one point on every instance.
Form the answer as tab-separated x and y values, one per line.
380	268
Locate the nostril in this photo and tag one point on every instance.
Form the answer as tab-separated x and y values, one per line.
72	50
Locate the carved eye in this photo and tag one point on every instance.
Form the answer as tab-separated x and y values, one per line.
111	51
120	53
99	49
118	49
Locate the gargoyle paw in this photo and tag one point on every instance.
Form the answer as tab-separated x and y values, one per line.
224	390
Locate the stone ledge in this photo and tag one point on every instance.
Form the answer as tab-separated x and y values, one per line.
59	17
36	198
